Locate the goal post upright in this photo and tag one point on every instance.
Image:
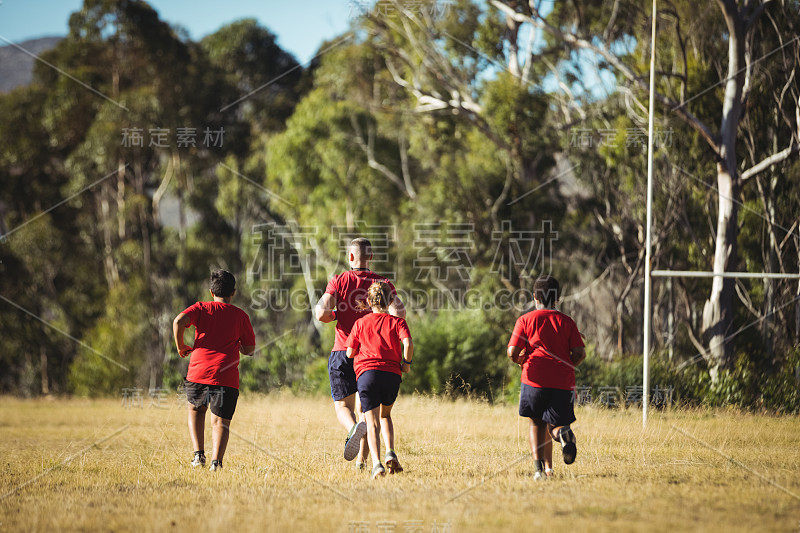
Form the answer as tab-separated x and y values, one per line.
648	243
648	272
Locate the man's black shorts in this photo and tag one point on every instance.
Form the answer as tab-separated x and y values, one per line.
554	406
220	399
342	375
376	388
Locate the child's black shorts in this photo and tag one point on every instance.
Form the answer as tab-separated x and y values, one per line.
554	406
220	399
376	388
342	375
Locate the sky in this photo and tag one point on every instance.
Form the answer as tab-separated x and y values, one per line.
301	25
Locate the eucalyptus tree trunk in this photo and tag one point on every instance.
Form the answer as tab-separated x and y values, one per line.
718	309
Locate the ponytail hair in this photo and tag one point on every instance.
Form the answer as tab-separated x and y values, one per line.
379	295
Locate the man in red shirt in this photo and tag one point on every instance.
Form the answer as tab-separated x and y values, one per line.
339	303
222	331
548	346
382	350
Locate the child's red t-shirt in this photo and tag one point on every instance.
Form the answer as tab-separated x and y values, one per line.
376	340
547	336
348	288
220	329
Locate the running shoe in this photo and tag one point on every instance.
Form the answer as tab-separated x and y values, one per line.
216	465
378	470
538	474
353	442
199	459
392	463
568	448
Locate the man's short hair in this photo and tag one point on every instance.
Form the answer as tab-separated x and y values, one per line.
222	283
546	290
361	248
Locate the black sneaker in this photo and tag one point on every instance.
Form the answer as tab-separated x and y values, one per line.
568	448
199	459
216	465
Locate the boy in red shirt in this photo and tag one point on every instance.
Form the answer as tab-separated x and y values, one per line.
548	346
222	331
341	303
381	348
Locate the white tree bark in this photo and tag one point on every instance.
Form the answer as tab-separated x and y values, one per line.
718	309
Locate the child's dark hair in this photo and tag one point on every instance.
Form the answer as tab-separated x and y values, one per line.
378	295
546	290
222	283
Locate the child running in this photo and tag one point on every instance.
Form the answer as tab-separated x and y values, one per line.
548	346
222	331
343	302
381	347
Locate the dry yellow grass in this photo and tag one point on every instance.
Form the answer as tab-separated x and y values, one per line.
284	471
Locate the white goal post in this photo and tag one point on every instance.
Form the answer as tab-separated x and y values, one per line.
648	272
683	274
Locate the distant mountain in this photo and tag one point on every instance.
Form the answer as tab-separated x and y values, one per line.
16	67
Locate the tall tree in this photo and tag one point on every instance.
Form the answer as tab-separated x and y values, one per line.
600	28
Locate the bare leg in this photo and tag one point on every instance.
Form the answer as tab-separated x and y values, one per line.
548	447
197	422
220	431
536	437
363	450
387	426
372	435
554	431
345	411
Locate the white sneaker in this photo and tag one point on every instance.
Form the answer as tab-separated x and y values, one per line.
199	460
353	442
392	463
378	470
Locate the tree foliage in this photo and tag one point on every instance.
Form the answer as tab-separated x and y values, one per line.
477	146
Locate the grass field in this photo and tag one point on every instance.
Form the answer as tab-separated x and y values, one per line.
82	465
